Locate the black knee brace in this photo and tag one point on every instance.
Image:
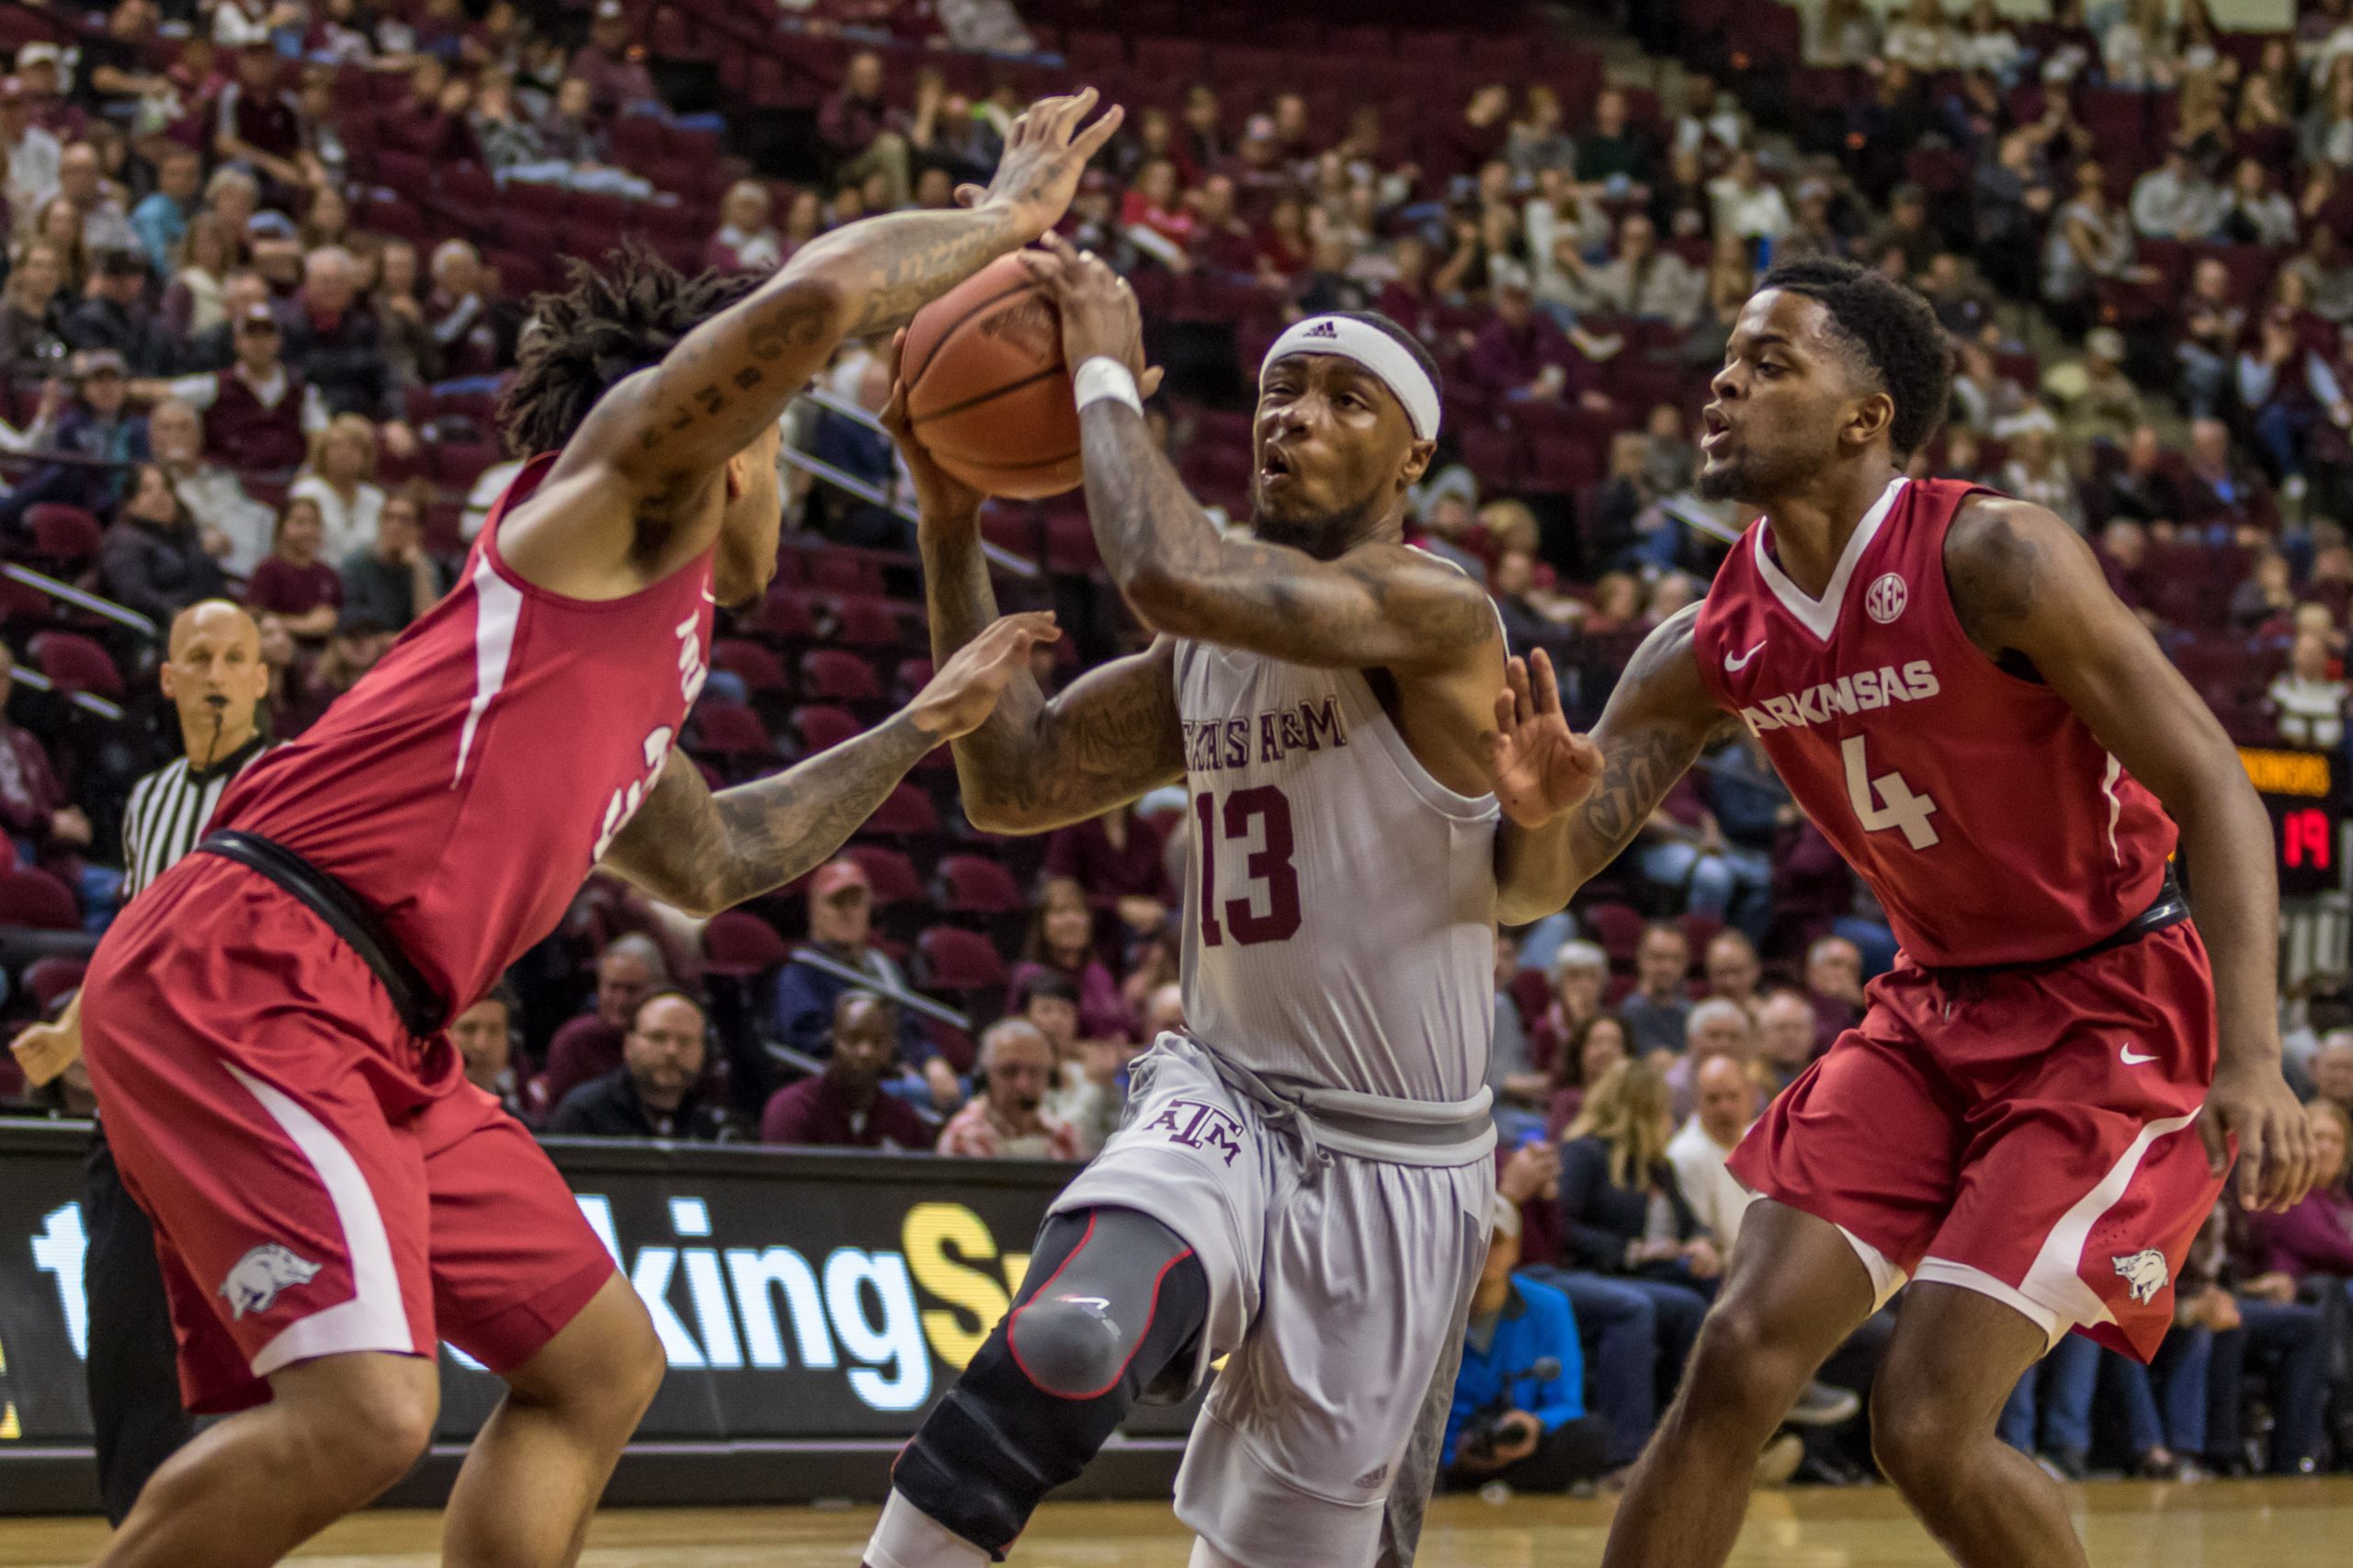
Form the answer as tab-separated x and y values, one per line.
1113	1300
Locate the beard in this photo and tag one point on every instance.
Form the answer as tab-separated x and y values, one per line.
1324	535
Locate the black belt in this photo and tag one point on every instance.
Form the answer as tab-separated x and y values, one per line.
422	1010
2170	908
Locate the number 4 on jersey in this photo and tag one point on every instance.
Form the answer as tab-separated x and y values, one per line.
1887	801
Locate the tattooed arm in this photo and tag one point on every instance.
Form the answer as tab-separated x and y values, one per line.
1035	764
705	853
1659	720
647	464
2027	585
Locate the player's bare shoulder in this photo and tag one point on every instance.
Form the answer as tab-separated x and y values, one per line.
2006	561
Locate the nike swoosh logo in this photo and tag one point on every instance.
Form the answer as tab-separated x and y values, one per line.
1741	661
2134	1058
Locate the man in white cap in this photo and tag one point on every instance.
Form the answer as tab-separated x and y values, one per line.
1303	1180
31	151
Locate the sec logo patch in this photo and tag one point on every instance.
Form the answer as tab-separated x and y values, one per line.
1886	599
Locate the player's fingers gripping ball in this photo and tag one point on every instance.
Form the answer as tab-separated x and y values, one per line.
986	391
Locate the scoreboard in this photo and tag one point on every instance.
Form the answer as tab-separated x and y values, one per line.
2300	789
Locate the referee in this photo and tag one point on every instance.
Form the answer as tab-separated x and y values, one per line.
214	675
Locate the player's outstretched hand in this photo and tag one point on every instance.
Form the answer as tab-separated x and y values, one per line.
1098	310
963	694
1537	767
940	496
44	1051
1044	154
2255	1105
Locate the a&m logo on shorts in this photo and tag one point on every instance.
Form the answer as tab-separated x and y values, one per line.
1198	1126
2144	1271
253	1284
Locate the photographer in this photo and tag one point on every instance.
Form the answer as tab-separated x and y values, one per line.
1518	1414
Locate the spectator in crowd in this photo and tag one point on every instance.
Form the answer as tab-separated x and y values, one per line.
2327	274
1659	1007
1061	941
32	154
195	312
1732	968
484	1036
1120	861
2332	1070
2256	213
1719	1026
845	1107
2287	387
2221	495
2306	702
1840	34
235	527
2213	322
468	338
2035	473
292	582
257	124
614	67
841	923
1007	1118
1518	1416
859	129
631	969
334	343
2177	201
1585	1058
32	339
1784	1039
395	579
412	357
102	224
1726	1105
113	313
2257	1325
2315	1237
359	641
858	449
42	65
162	217
2089	239
1639	280
338	479
1577	978
1834	984
1749	205
1085	1095
655	1091
2143	488
154	560
747	240
1922	38
95	426
258	414
34	809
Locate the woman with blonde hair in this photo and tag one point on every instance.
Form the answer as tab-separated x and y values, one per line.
339	478
203	260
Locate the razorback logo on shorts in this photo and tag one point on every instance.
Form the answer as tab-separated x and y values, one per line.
2144	1271
1198	1126
253	1284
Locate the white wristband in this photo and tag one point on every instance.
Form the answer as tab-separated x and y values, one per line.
1103	377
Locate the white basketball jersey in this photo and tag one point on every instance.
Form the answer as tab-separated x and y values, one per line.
1340	913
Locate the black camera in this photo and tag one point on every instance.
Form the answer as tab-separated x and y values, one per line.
1483	1434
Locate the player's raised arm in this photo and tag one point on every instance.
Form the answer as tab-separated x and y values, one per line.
2024	583
706	852
1382	606
1034	765
731	378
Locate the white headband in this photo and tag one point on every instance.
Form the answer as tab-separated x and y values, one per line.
1376	351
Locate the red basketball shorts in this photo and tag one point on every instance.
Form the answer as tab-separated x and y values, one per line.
2028	1135
313	1192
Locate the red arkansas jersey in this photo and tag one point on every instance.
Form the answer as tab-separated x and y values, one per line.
465	787
1993	826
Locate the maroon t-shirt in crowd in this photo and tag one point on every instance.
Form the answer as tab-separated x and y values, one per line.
818	1112
1083	852
281	587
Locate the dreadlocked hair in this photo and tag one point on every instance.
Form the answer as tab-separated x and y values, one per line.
1890	330
607	324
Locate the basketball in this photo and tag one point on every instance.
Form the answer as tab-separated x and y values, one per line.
986	391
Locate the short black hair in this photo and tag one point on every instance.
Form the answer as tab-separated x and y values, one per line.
1890	329
1413	345
607	324
1049	983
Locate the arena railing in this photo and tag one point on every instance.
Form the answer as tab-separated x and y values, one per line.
873	495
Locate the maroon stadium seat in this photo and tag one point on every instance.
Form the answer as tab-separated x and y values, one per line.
830	675
752	663
892	875
973	884
955	960
31	897
905	812
728	729
51	978
741	944
1618	929
76	663
65	537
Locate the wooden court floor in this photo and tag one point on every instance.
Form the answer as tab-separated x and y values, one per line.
2288	1524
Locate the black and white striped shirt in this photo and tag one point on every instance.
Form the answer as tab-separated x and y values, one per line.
169	810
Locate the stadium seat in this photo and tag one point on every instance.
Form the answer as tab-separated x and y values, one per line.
862	621
740	944
756	665
892	875
973	884
66	539
1618	929
31	897
957	960
905	812
831	675
819	726
76	663
727	729
52	977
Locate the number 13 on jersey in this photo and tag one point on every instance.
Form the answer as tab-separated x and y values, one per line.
1887	801
1268	910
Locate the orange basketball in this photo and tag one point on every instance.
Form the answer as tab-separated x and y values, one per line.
986	390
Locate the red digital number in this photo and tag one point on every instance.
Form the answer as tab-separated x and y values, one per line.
1267	866
2304	839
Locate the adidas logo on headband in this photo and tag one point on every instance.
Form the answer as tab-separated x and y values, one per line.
1387	358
